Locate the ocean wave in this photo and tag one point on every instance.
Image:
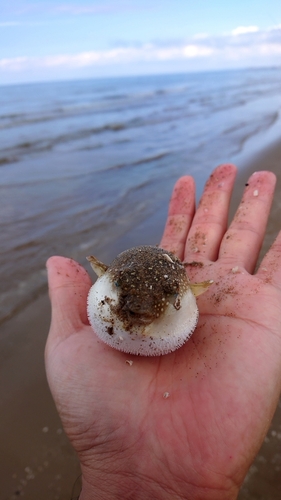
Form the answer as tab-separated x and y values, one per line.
141	161
5	160
261	127
64	112
115	97
11	116
48	178
15	152
21	120
247	130
98	104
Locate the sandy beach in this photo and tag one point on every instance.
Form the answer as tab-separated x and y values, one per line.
39	461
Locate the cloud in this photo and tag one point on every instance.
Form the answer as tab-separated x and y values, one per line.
80	9
243	46
242	30
8	24
14	64
123	55
72	8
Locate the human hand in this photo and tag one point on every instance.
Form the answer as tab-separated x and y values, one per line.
223	384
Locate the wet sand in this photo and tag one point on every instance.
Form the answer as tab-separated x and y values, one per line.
37	459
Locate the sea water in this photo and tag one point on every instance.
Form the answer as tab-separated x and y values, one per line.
83	163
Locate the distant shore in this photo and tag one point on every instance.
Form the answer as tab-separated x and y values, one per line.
32	439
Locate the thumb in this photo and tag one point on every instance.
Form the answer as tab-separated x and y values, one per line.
69	285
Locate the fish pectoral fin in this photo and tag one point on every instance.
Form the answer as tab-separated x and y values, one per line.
198	288
98	266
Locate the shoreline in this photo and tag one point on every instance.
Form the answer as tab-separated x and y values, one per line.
39	458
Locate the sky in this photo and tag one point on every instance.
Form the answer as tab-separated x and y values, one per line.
58	40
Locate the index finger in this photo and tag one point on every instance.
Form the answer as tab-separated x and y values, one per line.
180	216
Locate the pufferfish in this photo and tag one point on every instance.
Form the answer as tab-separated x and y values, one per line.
143	302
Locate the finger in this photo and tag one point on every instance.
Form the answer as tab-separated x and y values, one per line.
242	242
69	285
180	215
210	221
270	267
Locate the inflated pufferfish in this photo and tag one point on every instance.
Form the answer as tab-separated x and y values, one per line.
143	303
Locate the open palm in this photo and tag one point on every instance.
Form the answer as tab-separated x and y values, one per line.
187	424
